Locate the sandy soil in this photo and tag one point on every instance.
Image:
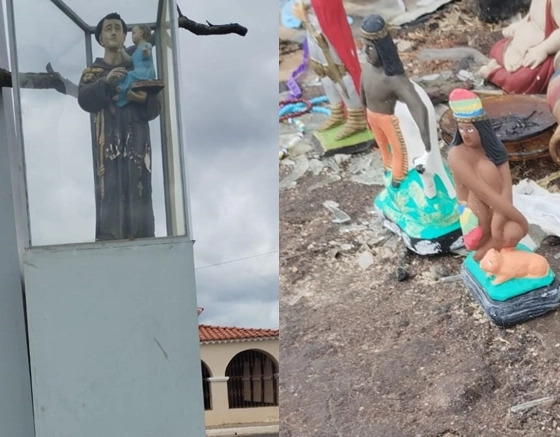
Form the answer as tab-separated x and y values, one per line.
364	355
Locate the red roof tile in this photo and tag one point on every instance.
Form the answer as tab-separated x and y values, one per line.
223	333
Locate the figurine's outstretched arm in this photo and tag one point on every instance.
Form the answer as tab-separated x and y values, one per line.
406	93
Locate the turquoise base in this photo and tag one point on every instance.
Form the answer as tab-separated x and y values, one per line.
511	288
417	216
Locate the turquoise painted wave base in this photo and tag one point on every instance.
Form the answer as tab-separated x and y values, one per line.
418	217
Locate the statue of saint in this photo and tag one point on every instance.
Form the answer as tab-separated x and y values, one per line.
334	58
480	167
525	59
142	61
122	149
419	199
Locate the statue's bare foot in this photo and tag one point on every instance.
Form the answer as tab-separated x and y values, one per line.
481	251
487	69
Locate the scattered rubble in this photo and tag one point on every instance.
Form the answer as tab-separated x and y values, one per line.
414	354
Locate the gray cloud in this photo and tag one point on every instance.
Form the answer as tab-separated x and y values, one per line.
230	86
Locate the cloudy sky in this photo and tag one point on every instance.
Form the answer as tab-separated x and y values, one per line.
229	86
231	100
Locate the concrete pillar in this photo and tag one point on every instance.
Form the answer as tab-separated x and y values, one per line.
16	410
218	388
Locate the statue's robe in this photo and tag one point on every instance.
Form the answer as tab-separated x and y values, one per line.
122	156
334	25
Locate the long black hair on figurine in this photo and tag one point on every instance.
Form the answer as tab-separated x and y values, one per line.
374	29
492	145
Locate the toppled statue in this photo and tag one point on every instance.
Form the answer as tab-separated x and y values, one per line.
510	281
525	60
418	201
334	58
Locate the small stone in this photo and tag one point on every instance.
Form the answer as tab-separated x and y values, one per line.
340	158
346	247
365	260
557	256
402	274
404	45
438	271
333	253
552	240
294	269
315	166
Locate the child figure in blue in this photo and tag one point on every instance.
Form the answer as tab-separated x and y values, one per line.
142	60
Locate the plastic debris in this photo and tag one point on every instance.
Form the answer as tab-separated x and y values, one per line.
526	405
339	215
365	260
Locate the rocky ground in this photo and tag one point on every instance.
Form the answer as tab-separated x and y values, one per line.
364	355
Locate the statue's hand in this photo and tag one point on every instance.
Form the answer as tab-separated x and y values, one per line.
534	57
137	96
423	163
115	75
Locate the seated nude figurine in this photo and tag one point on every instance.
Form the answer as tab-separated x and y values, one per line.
479	163
525	60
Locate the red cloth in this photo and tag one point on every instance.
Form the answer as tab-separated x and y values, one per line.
334	23
524	80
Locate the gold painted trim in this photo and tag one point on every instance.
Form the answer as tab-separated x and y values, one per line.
376	35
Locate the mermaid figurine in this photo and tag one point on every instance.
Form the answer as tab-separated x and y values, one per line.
142	61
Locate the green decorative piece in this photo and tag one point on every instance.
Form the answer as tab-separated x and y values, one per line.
416	215
327	144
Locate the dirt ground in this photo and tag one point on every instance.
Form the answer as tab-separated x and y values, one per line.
364	355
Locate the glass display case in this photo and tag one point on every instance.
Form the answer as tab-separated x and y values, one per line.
97	104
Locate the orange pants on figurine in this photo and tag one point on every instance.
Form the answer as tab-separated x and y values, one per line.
389	139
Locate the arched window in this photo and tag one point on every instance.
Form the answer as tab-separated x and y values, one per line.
252	380
206	387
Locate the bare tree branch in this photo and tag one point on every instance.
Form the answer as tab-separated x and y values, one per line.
209	28
53	80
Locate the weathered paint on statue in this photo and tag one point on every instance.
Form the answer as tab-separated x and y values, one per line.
122	150
419	199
